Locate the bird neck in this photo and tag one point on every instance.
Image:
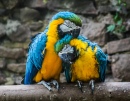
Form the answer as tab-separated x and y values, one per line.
52	33
80	45
62	42
53	28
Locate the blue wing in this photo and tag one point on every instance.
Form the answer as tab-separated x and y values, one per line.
35	56
102	60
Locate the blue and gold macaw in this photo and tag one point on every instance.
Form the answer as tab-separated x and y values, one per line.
43	63
83	60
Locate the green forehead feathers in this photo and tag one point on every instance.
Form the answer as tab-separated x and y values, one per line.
68	16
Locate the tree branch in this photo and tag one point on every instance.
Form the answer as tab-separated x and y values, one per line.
109	91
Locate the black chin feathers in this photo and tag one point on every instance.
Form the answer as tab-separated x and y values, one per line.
60	32
75	55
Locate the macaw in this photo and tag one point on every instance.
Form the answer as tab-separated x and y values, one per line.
43	65
83	60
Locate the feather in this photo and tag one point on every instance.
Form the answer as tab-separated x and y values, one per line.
60	44
35	56
102	60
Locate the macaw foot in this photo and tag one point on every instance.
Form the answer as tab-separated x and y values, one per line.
48	84
55	83
80	85
91	83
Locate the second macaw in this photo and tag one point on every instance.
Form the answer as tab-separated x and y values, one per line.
43	63
83	60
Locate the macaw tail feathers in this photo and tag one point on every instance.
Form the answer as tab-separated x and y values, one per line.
67	70
30	74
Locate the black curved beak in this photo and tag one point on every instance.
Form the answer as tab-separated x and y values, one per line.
64	57
68	54
75	32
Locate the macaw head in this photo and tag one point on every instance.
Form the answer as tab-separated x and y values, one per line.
69	54
67	23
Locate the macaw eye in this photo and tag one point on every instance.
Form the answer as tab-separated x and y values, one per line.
75	32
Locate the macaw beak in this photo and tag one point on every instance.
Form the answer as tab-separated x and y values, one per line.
75	33
68	54
64	57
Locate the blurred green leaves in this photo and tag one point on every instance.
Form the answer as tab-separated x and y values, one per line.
111	28
44	1
118	28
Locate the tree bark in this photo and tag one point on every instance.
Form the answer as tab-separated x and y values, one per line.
109	91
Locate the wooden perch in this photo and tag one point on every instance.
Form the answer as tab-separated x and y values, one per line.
109	91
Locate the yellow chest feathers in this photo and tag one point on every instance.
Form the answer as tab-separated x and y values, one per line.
51	66
86	66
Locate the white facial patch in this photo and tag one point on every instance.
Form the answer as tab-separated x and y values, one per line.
67	49
68	26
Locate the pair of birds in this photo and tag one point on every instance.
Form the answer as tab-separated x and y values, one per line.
60	47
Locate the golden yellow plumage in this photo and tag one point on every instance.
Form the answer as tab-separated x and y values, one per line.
50	68
86	66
